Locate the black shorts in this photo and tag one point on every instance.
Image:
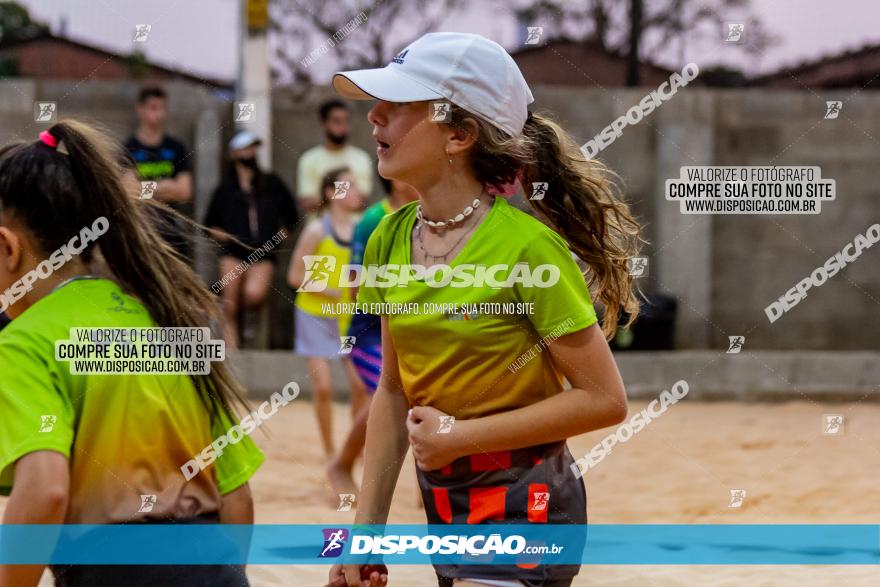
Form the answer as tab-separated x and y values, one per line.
150	576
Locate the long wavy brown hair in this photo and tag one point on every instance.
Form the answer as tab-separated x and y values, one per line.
583	202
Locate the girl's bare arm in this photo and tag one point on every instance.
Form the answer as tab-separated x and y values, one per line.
386	447
237	506
40	492
387	440
597	399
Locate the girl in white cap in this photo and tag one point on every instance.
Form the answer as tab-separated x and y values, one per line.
474	381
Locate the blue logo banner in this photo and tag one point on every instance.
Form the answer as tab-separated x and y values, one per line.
299	544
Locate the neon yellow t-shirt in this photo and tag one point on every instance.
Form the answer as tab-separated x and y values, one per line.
325	265
473	360
124	435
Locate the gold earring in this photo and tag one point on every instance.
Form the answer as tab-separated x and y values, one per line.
448	157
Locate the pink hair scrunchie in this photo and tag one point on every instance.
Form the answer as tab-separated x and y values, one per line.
48	139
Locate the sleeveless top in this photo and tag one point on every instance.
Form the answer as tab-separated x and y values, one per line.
336	253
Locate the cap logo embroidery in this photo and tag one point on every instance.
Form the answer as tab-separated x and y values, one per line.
400	56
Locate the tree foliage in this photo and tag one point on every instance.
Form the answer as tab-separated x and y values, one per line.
300	28
664	22
16	22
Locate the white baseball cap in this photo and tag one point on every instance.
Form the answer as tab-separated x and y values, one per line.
468	70
244	139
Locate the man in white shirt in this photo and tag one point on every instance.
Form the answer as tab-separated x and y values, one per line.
334	153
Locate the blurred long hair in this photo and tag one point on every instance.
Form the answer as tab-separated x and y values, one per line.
583	202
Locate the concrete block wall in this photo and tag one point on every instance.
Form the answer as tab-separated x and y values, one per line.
757	258
711	375
724	270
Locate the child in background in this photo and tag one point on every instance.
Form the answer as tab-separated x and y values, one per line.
322	249
366	330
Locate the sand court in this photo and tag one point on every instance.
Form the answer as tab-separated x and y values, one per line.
678	470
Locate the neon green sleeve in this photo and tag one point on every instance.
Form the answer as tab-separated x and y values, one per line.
239	461
35	413
565	306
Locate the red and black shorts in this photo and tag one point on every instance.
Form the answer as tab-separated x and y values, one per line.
533	485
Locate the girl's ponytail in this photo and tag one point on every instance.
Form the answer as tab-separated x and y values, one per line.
583	203
140	260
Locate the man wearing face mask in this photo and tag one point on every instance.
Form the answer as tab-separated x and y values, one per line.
246	216
334	153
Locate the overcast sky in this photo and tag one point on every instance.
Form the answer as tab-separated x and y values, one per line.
200	35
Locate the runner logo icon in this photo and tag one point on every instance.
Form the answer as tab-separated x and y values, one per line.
319	268
334	542
541	500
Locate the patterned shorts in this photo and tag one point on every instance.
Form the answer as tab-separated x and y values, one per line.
367	361
532	485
